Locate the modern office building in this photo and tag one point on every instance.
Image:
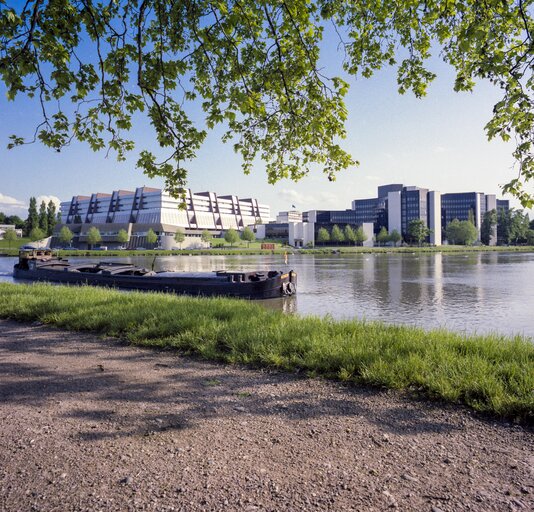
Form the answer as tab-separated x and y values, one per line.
290	216
397	205
9	227
301	234
146	208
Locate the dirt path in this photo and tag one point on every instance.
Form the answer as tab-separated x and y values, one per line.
89	424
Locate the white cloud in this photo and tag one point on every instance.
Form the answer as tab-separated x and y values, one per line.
10	205
47	199
439	149
297	198
370	177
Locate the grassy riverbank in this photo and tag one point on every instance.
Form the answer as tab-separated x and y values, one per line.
240	251
491	374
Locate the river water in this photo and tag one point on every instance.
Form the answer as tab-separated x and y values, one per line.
469	292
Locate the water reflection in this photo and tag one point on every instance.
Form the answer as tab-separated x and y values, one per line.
473	292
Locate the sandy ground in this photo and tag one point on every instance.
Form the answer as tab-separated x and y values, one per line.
91	424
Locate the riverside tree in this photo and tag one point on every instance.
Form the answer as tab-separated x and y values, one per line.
489	222
51	216
461	232
65	235
383	236
360	235
33	217
179	237
43	218
323	236
231	236
248	236
10	236
93	236
337	235
151	237
418	231
37	234
395	237
350	236
206	237
254	67
122	236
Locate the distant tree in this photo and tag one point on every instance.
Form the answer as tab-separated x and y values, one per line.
323	236
206	237
122	236
11	236
3	218
37	234
488	226
231	236
461	232
51	216
350	236
151	237
519	226
418	231
179	237
360	235
248	236
65	235
337	235
531	225
93	236
530	237
395	237
43	217
33	217
16	220
383	236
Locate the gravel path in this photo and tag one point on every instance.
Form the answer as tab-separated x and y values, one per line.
90	424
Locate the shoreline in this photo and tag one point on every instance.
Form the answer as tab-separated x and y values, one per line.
288	250
489	373
92	424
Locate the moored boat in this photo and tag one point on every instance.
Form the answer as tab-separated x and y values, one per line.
41	265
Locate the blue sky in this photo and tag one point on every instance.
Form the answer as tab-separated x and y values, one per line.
437	142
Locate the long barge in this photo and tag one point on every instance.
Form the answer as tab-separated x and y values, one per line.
41	265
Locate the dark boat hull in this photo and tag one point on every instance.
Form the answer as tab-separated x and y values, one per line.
268	288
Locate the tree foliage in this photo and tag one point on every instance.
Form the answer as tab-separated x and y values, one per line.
122	236
395	237
461	232
323	236
488	227
65	235
349	234
418	231
360	235
337	235
179	237
37	234
33	217
248	235
383	236
206	236
151	237
51	216
93	236
231	236
512	227
254	67
11	236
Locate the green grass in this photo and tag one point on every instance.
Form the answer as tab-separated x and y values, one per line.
492	374
14	246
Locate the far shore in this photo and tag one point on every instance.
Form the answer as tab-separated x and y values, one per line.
244	251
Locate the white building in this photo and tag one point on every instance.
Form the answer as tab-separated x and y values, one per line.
151	208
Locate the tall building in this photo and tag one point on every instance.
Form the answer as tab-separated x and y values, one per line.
150	208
